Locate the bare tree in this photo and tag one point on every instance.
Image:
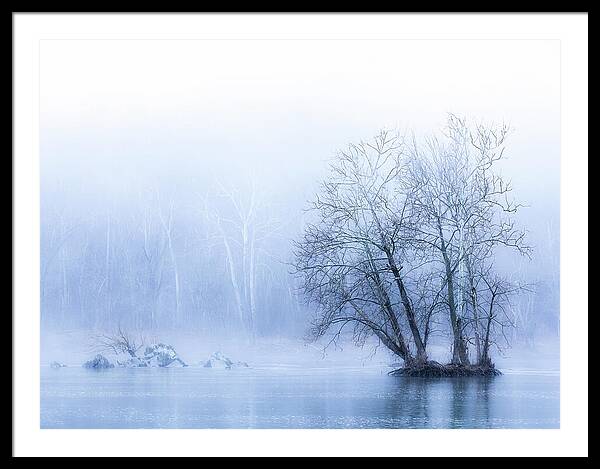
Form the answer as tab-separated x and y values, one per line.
350	260
118	342
153	242
56	231
495	316
464	211
245	226
167	225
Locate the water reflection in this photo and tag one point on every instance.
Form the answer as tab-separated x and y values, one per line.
409	400
447	402
484	389
199	398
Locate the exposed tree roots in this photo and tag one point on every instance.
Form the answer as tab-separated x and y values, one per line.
433	369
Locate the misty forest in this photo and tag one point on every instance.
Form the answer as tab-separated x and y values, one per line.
400	242
407	248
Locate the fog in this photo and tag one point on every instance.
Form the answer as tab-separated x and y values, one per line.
175	174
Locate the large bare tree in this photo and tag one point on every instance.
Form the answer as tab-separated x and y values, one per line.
405	233
464	211
351	259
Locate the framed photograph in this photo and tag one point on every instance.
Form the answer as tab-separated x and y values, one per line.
300	224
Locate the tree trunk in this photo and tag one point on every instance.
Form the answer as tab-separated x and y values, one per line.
251	283
485	355
398	346
176	275
233	278
386	306
108	283
410	314
459	350
473	298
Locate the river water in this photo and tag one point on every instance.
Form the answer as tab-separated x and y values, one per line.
292	397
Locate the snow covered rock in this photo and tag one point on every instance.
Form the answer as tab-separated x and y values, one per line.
57	365
162	355
218	360
98	362
131	362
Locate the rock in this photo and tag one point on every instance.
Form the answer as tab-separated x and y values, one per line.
132	362
162	355
57	365
218	360
98	362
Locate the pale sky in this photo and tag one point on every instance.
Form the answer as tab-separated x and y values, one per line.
112	110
